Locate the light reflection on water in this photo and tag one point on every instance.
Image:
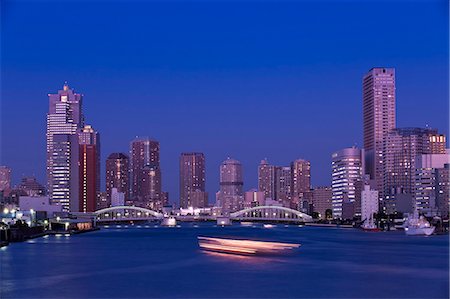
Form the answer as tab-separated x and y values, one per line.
330	263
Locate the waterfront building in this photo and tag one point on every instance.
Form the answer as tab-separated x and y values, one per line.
369	203
89	168
266	179
230	197
283	185
301	184
402	146
150	186
192	180
38	205
31	187
378	118
5	178
443	190
254	198
347	171
145	171
322	203
428	184
64	120
117	175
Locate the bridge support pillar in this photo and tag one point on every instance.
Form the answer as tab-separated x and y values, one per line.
169	221
223	221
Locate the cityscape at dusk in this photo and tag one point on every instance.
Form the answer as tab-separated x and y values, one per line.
240	142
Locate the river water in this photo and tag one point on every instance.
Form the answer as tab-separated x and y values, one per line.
161	262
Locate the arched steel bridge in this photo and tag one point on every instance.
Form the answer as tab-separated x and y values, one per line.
274	213
260	213
126	213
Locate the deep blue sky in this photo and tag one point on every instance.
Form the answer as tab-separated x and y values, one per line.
242	79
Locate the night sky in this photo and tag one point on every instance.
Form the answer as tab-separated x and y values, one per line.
243	79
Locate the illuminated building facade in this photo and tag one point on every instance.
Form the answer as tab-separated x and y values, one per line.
230	197
192	181
117	174
378	119
89	168
347	171
64	120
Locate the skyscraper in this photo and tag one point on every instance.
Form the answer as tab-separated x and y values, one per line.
347	170
150	186
378	118
301	183
89	168
230	197
64	120
5	178
117	175
192	180
145	170
283	185
266	179
402	146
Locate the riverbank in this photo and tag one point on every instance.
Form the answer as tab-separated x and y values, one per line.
24	235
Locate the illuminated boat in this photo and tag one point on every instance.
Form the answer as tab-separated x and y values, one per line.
246	247
416	226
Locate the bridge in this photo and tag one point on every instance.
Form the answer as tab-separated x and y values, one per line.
260	213
271	213
126	213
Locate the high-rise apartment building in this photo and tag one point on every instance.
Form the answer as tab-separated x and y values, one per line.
150	186
192	180
266	179
283	185
117	175
301	183
5	178
145	171
378	118
347	172
230	197
64	120
402	146
89	168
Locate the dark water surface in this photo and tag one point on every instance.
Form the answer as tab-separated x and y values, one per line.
119	262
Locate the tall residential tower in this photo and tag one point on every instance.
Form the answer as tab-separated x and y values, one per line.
117	175
231	195
378	118
146	173
192	181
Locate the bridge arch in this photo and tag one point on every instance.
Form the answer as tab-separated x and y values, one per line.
268	213
118	209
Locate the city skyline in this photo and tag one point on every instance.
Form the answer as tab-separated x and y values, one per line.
282	86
